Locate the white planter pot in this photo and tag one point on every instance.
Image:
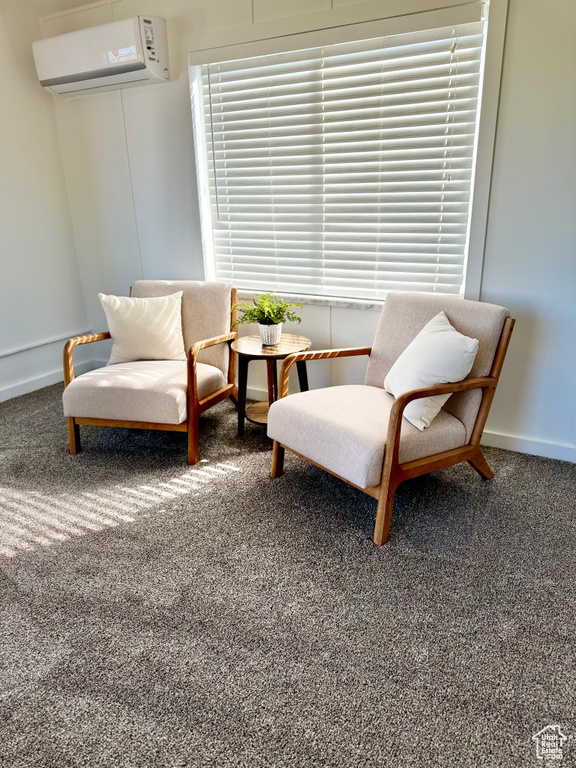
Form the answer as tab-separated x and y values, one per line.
270	334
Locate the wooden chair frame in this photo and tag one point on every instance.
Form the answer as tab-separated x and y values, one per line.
195	405
393	473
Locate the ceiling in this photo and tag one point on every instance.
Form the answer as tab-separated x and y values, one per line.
46	7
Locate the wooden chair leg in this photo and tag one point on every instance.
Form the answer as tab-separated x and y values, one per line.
277	460
481	466
384	512
243	361
193	441
73	437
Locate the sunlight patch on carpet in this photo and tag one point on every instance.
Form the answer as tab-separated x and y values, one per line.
29	519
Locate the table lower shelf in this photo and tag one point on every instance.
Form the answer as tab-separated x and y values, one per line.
257	412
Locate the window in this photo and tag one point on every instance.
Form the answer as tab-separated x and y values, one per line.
344	170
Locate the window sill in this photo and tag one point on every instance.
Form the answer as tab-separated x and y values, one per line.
321	301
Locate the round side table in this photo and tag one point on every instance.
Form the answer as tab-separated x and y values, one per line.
250	348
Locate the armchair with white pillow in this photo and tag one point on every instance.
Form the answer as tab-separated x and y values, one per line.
170	361
431	377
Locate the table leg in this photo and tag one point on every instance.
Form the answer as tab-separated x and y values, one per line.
272	385
275	380
243	361
302	375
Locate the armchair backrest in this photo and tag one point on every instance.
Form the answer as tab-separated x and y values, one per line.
403	317
205	313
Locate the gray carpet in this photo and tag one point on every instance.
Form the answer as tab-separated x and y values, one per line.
159	615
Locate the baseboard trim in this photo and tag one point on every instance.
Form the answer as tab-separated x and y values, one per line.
38	382
549	450
256	394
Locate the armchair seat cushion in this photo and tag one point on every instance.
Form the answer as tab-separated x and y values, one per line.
144	390
344	429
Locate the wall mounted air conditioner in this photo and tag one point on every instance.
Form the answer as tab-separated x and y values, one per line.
117	55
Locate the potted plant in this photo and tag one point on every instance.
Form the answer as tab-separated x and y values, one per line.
269	312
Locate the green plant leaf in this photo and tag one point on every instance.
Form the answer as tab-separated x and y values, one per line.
266	309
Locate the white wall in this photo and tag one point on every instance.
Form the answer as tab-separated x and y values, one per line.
530	259
41	300
129	164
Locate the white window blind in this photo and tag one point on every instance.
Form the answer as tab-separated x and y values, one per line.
344	170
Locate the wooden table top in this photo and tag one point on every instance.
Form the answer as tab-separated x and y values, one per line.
289	343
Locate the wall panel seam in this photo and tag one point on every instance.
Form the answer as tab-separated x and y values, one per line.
45	342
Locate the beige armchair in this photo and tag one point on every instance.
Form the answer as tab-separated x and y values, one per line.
358	432
160	394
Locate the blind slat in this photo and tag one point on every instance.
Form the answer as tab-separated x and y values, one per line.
344	170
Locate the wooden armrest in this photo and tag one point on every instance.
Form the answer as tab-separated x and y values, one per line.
193	353
69	347
321	354
397	410
487	382
195	349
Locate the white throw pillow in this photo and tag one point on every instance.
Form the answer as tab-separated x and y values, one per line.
144	329
439	354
